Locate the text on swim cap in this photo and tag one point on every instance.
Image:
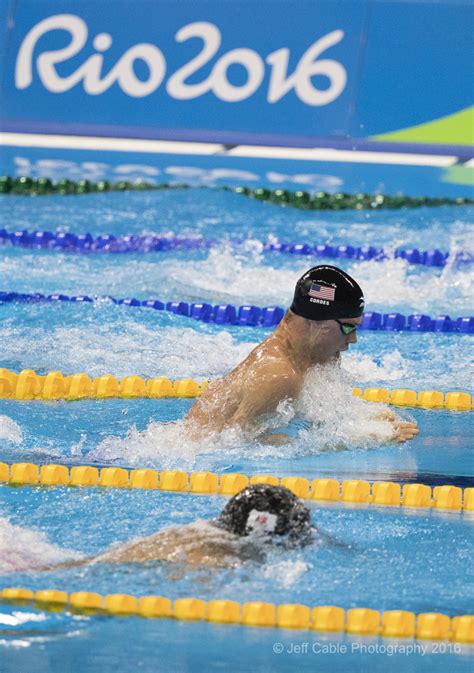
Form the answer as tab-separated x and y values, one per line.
319	301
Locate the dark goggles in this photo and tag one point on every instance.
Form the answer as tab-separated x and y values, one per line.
347	327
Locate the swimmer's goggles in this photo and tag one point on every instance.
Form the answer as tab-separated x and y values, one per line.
347	327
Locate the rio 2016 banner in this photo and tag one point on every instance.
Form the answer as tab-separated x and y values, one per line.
343	73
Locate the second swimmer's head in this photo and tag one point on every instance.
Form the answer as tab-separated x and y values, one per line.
270	512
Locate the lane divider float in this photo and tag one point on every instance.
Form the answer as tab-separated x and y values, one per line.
26	186
28	385
323	618
249	315
353	491
109	243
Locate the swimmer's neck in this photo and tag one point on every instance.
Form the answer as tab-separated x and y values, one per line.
293	345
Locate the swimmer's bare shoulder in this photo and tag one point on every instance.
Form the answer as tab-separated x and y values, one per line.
252	389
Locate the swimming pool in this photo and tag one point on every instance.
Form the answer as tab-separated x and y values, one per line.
416	560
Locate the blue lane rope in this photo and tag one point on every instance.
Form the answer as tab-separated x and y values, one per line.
256	316
108	243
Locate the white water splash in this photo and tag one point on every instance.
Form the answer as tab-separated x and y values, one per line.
285	573
363	368
340	420
24	549
10	431
167	445
227	276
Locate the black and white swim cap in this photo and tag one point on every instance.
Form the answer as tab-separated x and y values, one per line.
326	293
269	511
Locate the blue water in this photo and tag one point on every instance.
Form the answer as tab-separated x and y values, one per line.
210	212
163	646
389	559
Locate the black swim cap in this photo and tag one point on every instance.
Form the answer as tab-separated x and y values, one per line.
271	510
326	293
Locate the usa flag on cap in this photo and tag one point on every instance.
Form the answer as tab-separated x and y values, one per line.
322	292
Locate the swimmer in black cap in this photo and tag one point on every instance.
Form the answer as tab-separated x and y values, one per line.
258	516
321	323
272	513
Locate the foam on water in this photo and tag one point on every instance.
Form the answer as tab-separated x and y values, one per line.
341	420
23	549
124	341
245	275
425	363
167	445
225	274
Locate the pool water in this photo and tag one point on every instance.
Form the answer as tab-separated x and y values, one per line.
381	558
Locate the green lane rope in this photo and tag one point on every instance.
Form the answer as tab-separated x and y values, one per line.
26	186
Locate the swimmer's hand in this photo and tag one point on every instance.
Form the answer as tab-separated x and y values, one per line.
404	430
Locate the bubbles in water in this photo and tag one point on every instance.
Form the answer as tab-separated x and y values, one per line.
10	431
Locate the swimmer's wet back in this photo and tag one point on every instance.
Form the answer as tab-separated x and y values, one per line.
269	512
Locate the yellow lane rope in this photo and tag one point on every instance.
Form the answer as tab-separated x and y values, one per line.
384	493
28	385
324	618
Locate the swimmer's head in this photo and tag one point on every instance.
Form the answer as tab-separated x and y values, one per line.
269	512
327	293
